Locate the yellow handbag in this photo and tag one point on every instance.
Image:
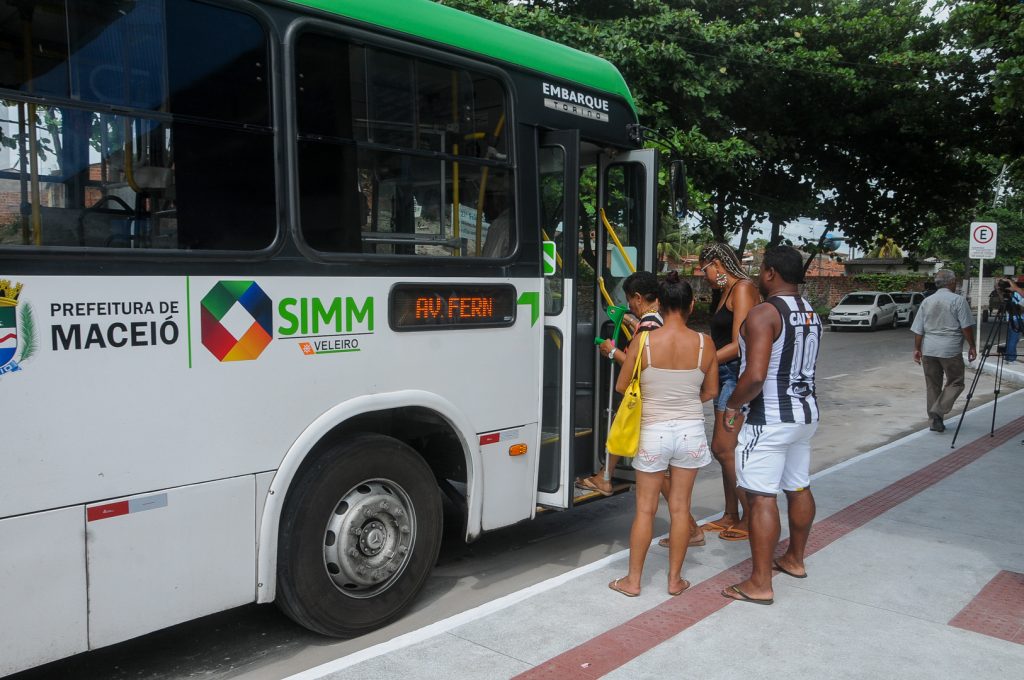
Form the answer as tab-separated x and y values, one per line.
624	434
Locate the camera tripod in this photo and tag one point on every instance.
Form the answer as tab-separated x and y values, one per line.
1009	314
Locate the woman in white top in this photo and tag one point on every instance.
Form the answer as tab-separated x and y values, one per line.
679	373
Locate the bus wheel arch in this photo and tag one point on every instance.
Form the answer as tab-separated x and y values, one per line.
360	533
441	442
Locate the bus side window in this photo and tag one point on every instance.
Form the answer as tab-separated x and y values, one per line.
188	164
405	157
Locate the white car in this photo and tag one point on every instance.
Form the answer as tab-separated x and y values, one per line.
864	309
906	305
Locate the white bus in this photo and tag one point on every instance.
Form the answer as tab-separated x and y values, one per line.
272	284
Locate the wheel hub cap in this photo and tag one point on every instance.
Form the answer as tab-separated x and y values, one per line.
369	537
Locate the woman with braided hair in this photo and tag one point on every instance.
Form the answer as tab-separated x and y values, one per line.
722	269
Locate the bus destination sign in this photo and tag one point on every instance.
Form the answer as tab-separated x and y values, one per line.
430	306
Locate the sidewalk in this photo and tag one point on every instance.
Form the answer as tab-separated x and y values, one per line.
916	570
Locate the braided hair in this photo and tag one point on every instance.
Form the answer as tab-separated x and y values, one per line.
724	254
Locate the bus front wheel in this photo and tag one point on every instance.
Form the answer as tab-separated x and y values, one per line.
360	531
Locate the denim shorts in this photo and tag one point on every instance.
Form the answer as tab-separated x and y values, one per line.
728	374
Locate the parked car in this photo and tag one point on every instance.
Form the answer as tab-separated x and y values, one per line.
864	309
906	305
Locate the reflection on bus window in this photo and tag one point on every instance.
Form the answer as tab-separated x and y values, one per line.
177	170
552	206
623	206
405	157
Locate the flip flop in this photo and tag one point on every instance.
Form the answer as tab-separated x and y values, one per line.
732	534
588	485
614	585
686	584
743	597
714	525
663	543
787	572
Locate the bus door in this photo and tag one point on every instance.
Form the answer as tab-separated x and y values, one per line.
626	191
558	160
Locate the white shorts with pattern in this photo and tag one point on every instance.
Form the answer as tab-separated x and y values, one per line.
773	458
679	443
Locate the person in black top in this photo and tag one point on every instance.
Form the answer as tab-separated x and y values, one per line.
722	269
641	289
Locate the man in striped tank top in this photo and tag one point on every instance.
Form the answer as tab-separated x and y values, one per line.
779	349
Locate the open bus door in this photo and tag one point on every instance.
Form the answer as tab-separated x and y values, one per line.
627	194
573	428
559	163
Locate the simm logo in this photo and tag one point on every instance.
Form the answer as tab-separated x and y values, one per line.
237	320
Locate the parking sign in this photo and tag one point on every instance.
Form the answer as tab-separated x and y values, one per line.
983	240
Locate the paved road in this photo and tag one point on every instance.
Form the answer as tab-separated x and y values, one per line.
871	393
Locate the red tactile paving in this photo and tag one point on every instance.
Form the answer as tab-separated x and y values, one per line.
998	610
624	643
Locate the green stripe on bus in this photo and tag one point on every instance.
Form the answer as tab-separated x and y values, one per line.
431	21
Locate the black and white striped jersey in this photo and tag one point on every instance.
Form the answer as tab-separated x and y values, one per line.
788	392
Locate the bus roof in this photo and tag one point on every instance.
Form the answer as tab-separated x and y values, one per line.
429	20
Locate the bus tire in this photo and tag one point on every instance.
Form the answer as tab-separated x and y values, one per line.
360	532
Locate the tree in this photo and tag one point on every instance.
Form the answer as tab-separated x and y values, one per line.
858	112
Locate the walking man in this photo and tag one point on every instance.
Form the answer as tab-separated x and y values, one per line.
942	324
779	350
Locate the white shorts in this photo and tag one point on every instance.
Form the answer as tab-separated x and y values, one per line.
773	458
679	443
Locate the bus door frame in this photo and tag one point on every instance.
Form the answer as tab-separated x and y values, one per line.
560	328
646	259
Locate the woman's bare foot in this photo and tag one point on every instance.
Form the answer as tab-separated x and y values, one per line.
622	585
677	586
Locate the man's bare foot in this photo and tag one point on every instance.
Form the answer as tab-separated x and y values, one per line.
787	565
748	592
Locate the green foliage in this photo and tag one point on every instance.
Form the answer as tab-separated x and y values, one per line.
890	283
858	112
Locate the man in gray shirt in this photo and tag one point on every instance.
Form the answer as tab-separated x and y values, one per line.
942	324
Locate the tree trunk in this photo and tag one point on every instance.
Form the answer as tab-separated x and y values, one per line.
718	224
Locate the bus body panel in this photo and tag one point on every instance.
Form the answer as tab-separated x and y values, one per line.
43	605
509	479
113	380
190	549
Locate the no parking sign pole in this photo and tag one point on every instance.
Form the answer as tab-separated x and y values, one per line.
983	247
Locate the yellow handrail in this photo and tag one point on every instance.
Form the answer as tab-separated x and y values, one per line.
622	251
618	244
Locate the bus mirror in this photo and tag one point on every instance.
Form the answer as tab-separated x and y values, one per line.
677	189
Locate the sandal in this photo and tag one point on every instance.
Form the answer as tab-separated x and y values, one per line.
663	543
686	584
715	525
588	485
731	592
733	534
614	585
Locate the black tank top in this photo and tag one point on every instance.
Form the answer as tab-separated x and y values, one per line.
721	322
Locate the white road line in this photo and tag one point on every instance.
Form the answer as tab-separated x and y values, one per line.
468	616
833	377
876	368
